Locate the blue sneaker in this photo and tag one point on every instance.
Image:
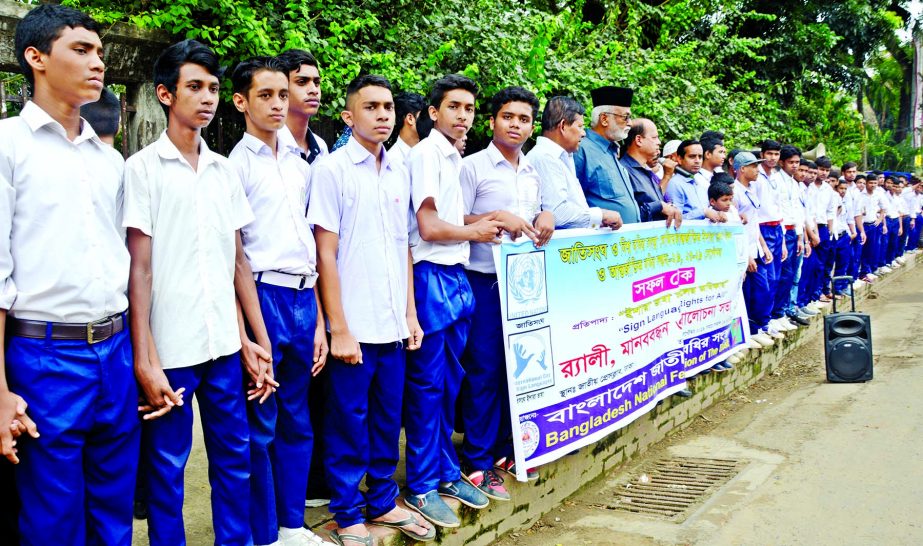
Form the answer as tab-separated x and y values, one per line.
432	507
464	493
727	365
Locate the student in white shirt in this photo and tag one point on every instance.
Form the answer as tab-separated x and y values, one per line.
497	183
359	207
895	219
756	285
408	108
279	246
914	200
184	207
304	103
770	190
439	241
844	232
552	157
304	100
873	225
65	354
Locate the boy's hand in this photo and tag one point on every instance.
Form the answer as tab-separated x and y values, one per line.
321	349
257	361
158	398
544	226
13	411
751	265
767	258
343	346
784	251
486	231
516	226
415	339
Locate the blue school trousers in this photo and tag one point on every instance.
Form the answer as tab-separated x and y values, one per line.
76	481
756	290
902	243
362	431
783	288
894	228
914	240
445	303
281	437
870	249
823	263
841	259
217	386
485	403
855	255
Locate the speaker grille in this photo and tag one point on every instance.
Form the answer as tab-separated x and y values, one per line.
848	326
850	358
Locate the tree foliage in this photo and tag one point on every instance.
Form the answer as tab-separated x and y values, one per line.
787	69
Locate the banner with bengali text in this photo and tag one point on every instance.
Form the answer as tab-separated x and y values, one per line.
600	325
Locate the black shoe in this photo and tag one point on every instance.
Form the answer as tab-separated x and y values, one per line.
140	509
685	393
798	320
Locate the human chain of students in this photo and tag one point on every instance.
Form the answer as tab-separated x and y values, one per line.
309	299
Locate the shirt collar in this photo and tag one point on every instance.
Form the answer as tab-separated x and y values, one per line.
599	140
629	161
358	154
36	118
167	150
443	144
259	147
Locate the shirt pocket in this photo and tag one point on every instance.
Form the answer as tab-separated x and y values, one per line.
396	211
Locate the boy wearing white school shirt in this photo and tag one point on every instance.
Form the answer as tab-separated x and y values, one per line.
190	290
497	183
280	248
359	207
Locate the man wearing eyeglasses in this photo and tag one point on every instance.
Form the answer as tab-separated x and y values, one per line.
605	181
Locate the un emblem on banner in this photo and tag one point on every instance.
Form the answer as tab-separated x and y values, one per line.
525	281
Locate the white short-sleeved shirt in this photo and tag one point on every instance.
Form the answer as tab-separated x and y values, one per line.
748	204
841	219
276	186
62	245
561	191
287	139
489	182
770	190
912	202
868	206
434	166
823	203
399	151
893	205
192	218
368	209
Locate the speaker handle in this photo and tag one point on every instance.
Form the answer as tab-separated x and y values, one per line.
852	291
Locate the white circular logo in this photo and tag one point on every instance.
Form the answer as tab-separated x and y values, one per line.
530	437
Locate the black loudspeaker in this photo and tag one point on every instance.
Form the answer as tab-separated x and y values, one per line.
848	344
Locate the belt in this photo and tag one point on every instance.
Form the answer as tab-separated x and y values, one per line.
771	224
867	222
91	332
286	280
790	227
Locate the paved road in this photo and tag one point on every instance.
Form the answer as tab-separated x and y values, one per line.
825	464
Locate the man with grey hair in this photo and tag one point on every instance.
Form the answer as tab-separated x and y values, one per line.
641	146
552	157
605	181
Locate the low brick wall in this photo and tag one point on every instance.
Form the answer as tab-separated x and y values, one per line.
564	477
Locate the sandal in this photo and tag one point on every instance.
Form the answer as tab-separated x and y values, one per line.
402	525
338	538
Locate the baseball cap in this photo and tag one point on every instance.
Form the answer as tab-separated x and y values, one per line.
742	159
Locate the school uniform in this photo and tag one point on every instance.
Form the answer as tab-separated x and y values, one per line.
489	182
399	151
869	206
317	480
561	191
894	215
821	208
914	205
843	226
63	260
192	217
776	194
279	246
892	221
852	204
445	304
368	209
756	284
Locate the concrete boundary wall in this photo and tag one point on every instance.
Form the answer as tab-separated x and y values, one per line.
566	476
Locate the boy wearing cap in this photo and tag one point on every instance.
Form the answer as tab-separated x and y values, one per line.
605	181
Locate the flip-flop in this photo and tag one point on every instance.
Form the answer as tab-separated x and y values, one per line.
339	538
401	526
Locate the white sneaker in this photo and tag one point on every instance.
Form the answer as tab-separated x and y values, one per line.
857	284
734	358
872	276
316	503
773	332
754	344
886	269
789	325
305	537
763	340
814	306
901	260
781	325
895	264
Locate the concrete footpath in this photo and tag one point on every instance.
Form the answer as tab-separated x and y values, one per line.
818	463
821	463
